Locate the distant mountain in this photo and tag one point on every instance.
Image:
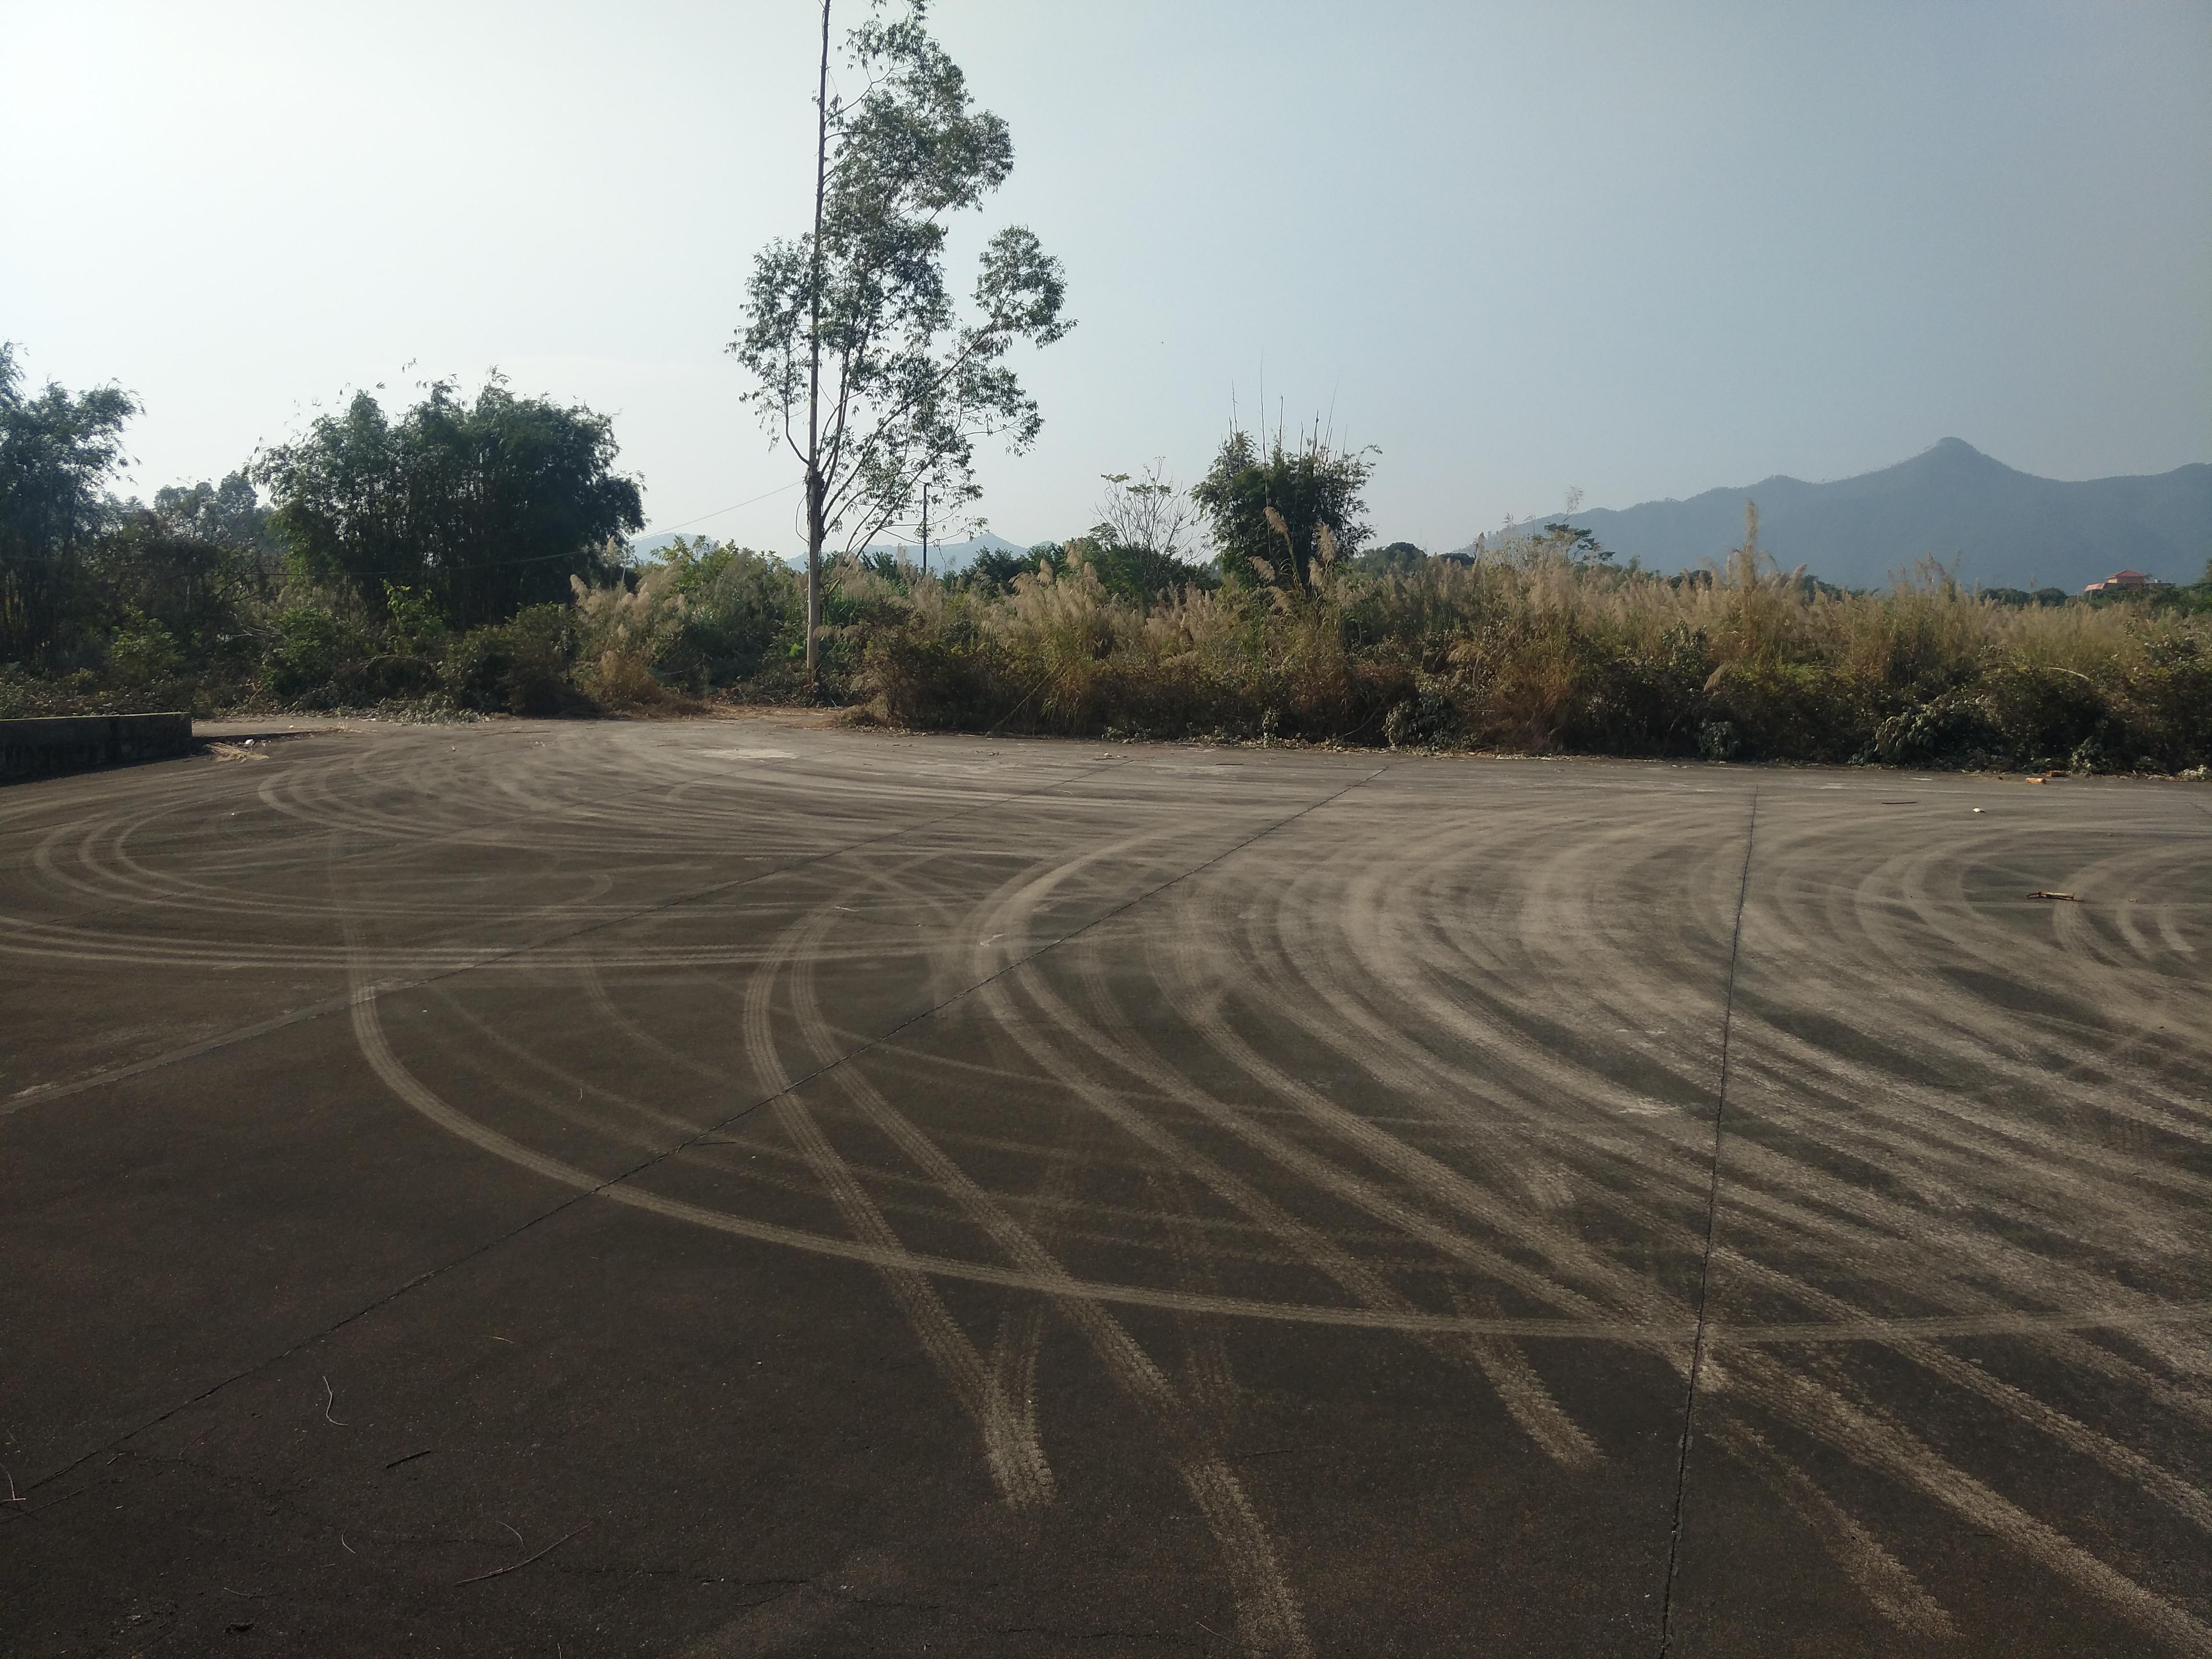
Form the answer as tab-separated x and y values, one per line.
2005	529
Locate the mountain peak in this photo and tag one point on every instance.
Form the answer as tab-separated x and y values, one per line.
1957	452
1991	523
1952	458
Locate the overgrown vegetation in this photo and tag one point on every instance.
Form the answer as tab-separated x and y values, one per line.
1537	647
468	557
431	561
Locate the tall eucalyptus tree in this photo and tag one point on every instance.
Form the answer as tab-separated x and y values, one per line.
865	367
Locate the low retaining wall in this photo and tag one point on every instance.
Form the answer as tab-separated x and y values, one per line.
74	742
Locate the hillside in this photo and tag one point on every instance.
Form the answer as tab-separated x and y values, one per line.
2005	529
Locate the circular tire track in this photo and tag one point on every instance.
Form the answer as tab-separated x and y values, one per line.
1324	1072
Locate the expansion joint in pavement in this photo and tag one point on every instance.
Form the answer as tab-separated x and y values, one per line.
1705	1257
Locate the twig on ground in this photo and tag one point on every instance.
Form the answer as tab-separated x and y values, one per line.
12	1497
501	1572
329	1401
410	1457
2069	897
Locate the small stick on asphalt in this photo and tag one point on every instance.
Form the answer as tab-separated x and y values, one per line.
329	1401
11	1497
2069	897
501	1572
410	1457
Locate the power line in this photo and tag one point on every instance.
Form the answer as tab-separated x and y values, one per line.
664	529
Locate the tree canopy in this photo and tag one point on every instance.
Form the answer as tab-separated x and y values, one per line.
1264	505
863	365
481	508
58	452
226	514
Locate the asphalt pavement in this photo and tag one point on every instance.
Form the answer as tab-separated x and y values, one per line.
758	1186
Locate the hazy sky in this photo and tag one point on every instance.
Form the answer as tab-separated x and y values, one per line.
1639	248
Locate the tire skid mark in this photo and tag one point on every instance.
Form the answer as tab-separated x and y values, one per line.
2118	1459
1980	1310
1523	1393
640	1116
1268	1618
1527	1399
1888	1586
1933	1258
619	1190
1795	1173
2038	1178
1876	1443
1788	1176
1798	1177
1012	1451
2119	993
2017	1403
1210	1374
1518	1387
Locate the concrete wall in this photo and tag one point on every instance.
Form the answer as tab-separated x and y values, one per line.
31	749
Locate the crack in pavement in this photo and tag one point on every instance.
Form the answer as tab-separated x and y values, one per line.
1705	1259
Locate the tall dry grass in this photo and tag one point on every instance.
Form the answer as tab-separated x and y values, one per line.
1529	648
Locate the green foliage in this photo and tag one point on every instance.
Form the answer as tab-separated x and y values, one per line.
1266	506
1398	559
1140	574
1532	648
143	652
524	666
908	384
413	622
311	648
226	515
484	507
703	618
1138	547
57	453
994	569
203	592
1562	540
742	610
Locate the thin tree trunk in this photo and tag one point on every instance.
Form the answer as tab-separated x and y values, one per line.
814	480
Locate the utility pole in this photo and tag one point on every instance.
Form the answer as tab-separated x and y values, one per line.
815	529
925	530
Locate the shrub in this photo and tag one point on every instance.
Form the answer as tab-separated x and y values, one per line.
1530	646
741	610
521	666
143	652
312	647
